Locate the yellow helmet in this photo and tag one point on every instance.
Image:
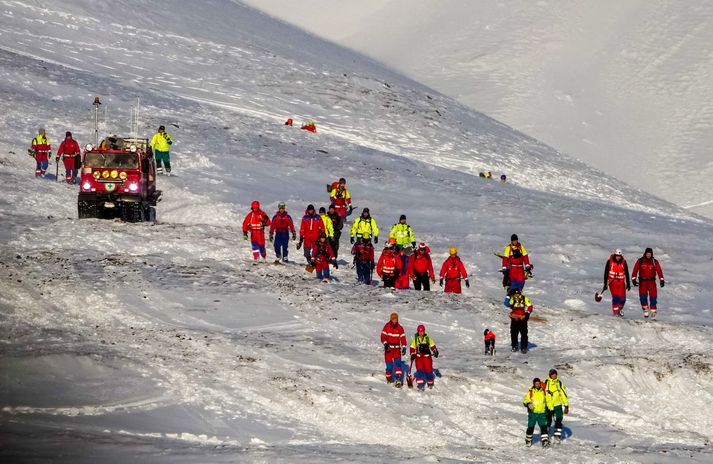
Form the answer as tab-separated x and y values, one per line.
453	251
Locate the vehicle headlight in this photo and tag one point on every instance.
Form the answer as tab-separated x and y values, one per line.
89	147
105	174
114	174
122	175
133	186
132	148
86	186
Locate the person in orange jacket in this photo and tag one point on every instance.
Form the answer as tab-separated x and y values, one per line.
393	338
453	271
616	278
420	268
389	266
255	222
69	152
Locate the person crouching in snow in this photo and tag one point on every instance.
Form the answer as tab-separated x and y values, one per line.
453	271
322	255
389	266
394	340
422	348
363	252
489	340
646	269
616	278
255	222
538	402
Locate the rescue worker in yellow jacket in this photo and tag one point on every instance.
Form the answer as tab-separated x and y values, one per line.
403	233
328	224
366	226
161	144
560	403
537	401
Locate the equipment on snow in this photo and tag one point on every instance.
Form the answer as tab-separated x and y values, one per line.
309	268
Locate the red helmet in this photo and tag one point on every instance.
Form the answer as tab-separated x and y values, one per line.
597	297
255	205
421	328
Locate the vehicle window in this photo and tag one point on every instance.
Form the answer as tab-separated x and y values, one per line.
111	160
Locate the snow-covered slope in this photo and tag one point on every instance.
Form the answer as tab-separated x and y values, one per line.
161	343
624	86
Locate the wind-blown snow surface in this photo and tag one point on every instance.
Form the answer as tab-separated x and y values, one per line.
624	86
161	343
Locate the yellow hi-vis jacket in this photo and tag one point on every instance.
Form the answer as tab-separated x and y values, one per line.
557	391
161	142
328	225
507	252
403	233
365	227
540	399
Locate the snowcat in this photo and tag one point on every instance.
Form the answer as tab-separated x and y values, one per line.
118	180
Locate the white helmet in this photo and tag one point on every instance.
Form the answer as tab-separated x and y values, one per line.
618	252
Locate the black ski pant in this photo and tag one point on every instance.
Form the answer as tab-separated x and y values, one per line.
518	326
489	344
422	281
334	242
389	280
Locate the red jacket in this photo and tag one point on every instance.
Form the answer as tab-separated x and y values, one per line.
393	335
616	271
282	223
647	269
453	269
322	255
420	262
516	266
489	336
363	252
388	263
310	228
68	147
255	222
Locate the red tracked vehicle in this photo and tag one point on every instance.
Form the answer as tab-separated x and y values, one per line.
118	180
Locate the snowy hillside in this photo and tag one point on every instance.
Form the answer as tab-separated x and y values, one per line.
624	86
161	343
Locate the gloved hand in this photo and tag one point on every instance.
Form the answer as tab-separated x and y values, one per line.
467	283
528	267
351	240
628	287
435	353
440	282
527	317
272	238
661	283
299	244
635	282
529	406
312	261
433	281
386	347
294	236
413	245
245	235
334	263
56	160
372	265
413	356
376	239
605	288
566	409
403	351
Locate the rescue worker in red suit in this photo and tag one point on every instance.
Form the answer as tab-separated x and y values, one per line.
40	149
644	275
282	225
422	348
339	196
394	340
616	278
255	222
322	255
310	229
453	271
489	340
516	265
402	279
69	151
389	266
420	268
363	252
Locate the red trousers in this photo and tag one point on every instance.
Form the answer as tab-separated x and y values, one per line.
452	286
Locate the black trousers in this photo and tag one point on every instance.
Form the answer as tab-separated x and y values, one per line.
518	326
389	280
335	242
422	281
